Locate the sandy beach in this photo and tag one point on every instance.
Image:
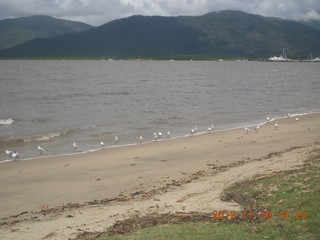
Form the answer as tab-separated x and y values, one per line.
30	186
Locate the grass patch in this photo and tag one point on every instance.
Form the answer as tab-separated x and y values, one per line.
292	197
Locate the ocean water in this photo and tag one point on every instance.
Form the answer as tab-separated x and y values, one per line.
55	102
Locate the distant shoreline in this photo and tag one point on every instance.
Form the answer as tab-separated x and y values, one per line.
158	58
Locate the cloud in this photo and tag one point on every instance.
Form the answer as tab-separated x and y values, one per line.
97	12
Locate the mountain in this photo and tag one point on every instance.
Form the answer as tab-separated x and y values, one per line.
20	30
223	34
312	23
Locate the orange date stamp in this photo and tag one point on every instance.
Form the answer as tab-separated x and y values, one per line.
260	214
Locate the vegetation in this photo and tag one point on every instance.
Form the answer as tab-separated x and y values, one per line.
220	34
290	197
20	30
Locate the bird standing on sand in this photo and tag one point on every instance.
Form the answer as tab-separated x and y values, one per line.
9	153
246	130
211	128
195	128
41	150
116	140
193	131
168	134
257	128
75	147
155	136
140	139
276	125
102	144
297	119
159	135
15	155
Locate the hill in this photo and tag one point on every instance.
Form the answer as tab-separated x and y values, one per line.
20	30
313	23
223	34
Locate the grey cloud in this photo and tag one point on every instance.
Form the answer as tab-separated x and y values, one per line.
97	12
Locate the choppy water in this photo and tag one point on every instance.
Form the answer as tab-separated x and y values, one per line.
52	103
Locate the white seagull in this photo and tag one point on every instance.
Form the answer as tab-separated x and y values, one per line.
211	128
257	128
9	153
193	131
276	126
159	135
246	130
140	139
168	134
41	150
155	136
15	155
116	140
75	146
297	119
195	128
102	144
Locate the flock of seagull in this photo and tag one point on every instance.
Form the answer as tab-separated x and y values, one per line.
14	155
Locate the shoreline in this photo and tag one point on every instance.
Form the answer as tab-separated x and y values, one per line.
277	118
59	180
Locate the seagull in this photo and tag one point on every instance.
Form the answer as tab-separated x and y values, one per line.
41	150
155	136
257	128
211	128
159	135
116	140
9	153
193	131
247	130
268	119
276	126
101	144
74	145
140	139
297	119
15	155
168	134
195	128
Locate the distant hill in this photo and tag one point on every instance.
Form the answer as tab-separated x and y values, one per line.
312	23
223	34
20	30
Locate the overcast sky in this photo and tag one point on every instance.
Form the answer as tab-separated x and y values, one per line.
97	12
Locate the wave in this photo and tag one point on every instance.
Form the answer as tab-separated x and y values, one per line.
123	93
8	121
21	140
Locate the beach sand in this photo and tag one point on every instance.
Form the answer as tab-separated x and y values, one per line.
45	183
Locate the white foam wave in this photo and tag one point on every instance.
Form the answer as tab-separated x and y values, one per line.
47	136
6	121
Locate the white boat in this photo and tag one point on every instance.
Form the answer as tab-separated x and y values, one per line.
282	58
316	59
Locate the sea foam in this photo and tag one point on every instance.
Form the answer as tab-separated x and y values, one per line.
6	121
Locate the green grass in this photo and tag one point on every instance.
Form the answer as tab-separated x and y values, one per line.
291	192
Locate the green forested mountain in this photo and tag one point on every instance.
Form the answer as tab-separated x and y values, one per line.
312	23
222	34
20	30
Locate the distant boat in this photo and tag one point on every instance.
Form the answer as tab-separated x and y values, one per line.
282	58
316	59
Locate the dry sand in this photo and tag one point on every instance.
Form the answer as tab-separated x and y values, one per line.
46	183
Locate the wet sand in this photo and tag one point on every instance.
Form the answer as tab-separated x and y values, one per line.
56	181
